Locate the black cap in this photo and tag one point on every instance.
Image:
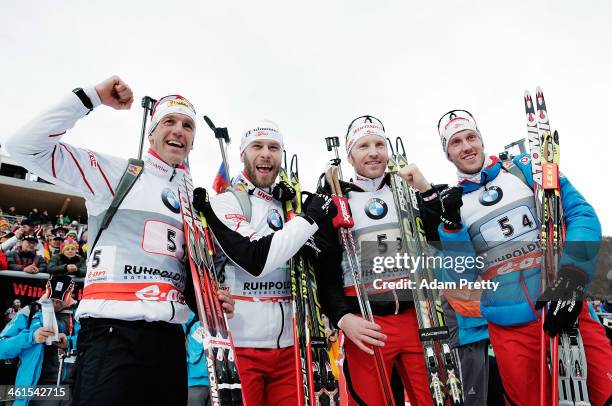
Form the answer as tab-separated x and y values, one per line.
58	229
31	238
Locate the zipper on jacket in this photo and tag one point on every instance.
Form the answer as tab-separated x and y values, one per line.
173	173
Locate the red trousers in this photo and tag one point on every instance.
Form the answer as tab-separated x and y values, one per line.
517	349
268	376
402	349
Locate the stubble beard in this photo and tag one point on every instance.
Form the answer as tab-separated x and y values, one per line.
251	172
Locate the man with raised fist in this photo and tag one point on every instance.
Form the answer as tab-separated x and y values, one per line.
133	306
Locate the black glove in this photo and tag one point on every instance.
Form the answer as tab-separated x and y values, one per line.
451	201
283	191
565	297
201	201
320	209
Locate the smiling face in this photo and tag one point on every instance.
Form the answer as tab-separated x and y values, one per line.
465	150
369	156
172	138
262	162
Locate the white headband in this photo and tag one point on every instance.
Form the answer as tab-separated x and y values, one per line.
454	126
362	128
168	105
262	130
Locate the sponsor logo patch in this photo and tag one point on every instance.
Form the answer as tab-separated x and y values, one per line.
275	221
376	208
170	200
491	196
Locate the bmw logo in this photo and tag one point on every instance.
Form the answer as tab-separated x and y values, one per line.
376	209
491	196
275	221
170	200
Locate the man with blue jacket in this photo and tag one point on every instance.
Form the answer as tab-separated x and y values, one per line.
491	215
25	336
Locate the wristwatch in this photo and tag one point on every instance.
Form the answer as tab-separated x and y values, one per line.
83	98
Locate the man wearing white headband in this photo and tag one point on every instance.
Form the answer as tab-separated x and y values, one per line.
395	328
172	145
491	214
133	302
249	225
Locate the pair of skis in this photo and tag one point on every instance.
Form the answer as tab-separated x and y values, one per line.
432	329
433	332
224	382
225	387
333	176
315	380
568	369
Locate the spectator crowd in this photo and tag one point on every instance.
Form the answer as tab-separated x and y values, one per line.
34	243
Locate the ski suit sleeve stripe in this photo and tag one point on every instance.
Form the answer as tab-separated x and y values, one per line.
39	148
256	254
78	167
53	161
106	180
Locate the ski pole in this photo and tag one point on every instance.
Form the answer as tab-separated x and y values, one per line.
348	243
60	369
332	145
222	135
147	104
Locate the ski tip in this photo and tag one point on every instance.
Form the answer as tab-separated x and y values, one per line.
539	93
527	94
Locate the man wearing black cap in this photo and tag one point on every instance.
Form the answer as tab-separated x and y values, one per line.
28	225
25	337
24	258
60	230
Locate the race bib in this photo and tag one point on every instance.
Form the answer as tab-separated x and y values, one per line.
508	226
162	239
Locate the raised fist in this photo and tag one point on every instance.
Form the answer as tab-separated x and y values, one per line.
414	177
115	93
